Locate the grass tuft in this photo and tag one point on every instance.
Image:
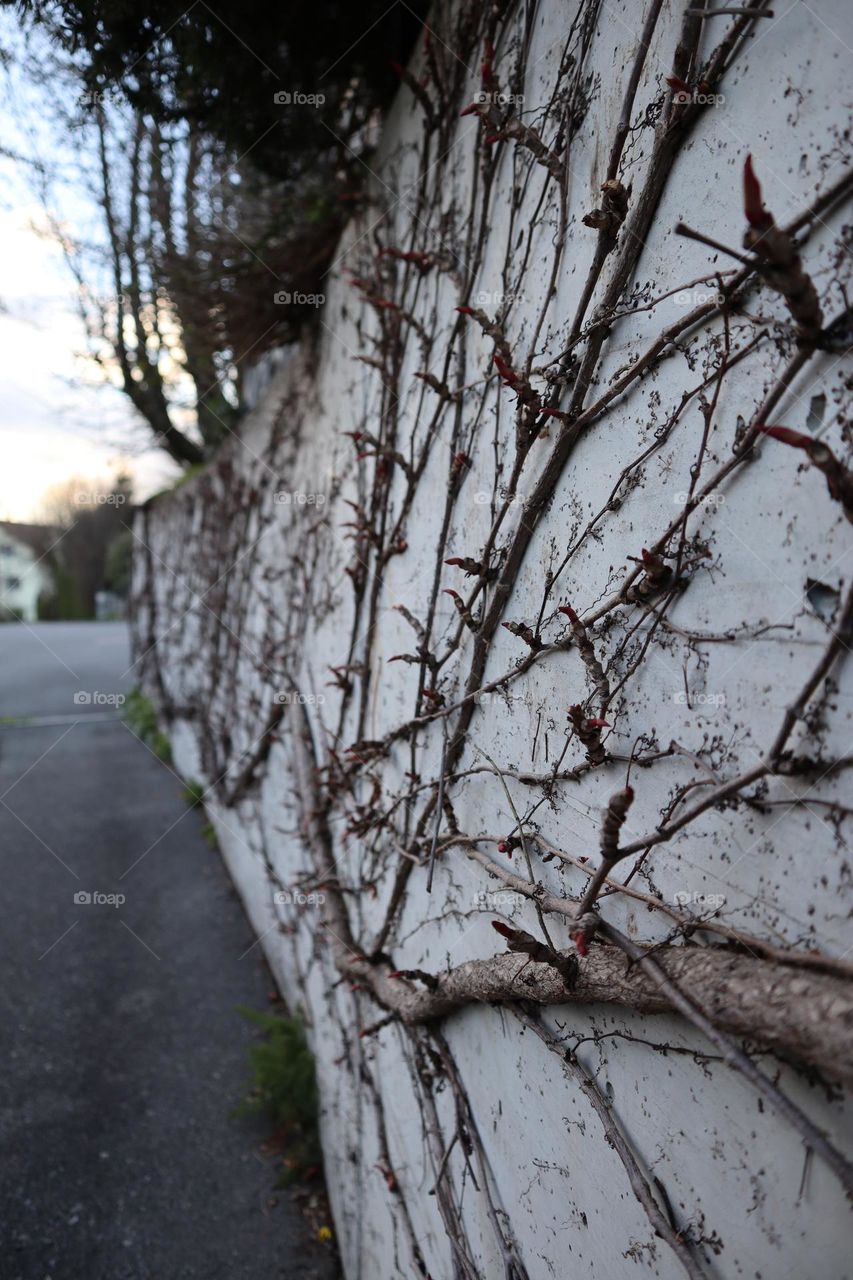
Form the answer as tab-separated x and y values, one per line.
285	1089
141	715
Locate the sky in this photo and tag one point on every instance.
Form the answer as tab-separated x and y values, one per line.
55	424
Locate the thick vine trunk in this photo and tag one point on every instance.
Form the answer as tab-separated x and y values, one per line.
803	1016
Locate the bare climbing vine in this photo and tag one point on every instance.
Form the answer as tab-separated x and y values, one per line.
381	813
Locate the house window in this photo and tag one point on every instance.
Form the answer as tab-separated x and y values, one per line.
12	583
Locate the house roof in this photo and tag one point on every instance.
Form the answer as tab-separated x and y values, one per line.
38	537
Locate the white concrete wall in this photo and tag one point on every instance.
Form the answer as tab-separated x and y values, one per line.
251	594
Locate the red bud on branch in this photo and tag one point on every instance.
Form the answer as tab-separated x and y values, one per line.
390	1180
788	436
509	376
753	204
839	479
657	576
614	816
469	565
487	71
525	633
586	649
588	730
459	605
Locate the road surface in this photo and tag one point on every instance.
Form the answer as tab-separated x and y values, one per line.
123	1054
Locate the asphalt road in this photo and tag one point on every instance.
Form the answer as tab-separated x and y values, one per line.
123	1055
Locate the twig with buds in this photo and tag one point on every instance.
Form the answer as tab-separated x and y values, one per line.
611	827
588	729
588	657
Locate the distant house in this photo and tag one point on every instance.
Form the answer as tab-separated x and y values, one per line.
24	571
